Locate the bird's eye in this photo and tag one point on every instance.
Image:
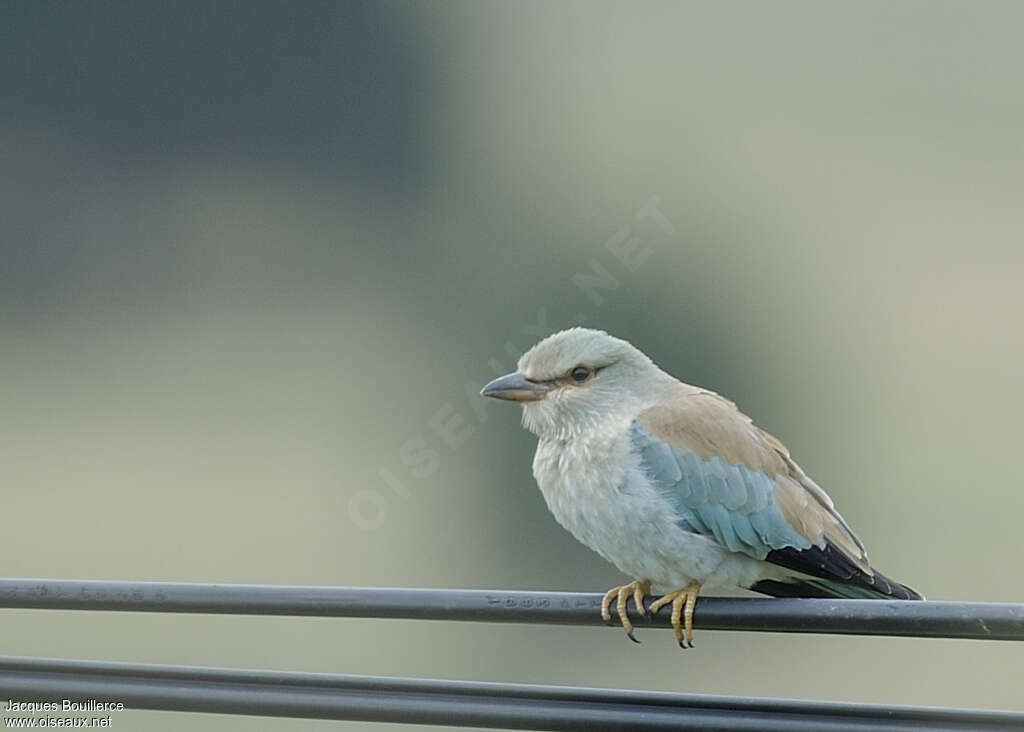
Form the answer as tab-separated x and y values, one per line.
580	374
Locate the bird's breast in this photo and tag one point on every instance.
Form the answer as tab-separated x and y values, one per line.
578	477
597	490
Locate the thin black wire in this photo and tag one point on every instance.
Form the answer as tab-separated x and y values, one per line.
459	703
982	621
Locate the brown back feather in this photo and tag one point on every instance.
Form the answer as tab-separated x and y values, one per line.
707	424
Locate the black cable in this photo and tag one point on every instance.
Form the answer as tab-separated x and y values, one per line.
984	621
459	703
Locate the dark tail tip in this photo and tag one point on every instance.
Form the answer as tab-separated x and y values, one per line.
878	587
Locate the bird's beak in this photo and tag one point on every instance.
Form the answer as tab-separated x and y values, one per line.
516	388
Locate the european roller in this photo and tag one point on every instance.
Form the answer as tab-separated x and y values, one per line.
675	486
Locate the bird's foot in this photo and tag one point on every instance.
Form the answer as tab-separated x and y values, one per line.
638	589
683	602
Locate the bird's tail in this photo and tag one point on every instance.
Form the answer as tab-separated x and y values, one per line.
882	588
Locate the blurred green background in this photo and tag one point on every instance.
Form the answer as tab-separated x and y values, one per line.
253	254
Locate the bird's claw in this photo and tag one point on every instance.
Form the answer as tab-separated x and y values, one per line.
683	601
638	589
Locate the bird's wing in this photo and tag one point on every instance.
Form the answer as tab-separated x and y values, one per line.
730	480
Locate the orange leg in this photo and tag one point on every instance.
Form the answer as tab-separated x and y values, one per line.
683	601
638	589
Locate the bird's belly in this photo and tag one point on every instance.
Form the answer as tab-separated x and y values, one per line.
610	507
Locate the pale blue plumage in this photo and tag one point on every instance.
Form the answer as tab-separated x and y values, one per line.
732	503
674	485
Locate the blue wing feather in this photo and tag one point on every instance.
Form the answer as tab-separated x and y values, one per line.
732	503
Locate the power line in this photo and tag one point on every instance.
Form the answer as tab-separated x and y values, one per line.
459	703
927	619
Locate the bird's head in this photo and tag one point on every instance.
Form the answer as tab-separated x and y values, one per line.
578	379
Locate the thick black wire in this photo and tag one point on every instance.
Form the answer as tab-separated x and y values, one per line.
458	703
984	621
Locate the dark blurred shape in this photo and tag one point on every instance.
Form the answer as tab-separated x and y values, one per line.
333	87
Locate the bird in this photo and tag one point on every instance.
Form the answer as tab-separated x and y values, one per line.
675	486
